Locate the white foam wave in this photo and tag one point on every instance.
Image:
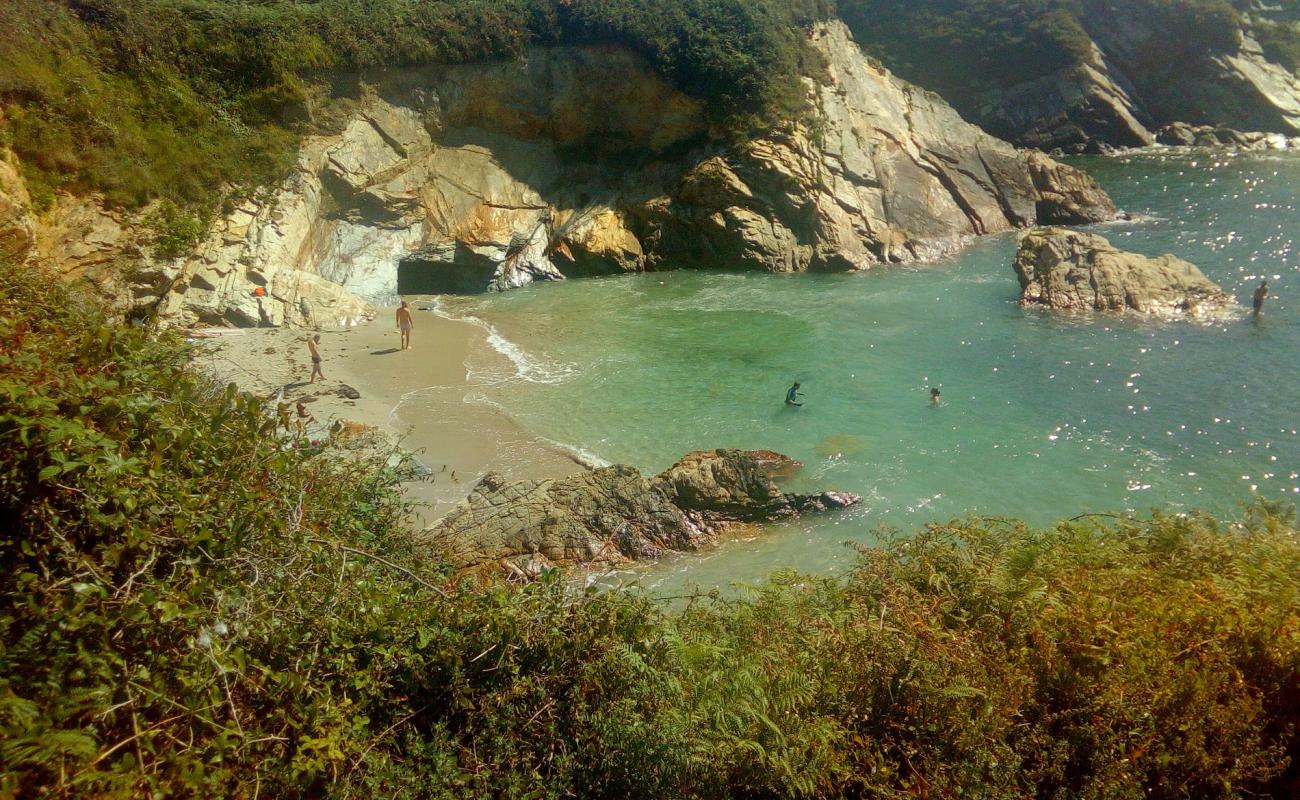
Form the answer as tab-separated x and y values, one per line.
527	367
582	455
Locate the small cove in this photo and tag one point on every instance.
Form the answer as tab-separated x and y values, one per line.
1044	416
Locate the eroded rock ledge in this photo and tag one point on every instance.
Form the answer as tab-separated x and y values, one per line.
1071	270
614	515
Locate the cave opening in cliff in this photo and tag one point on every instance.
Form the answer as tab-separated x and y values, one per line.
453	270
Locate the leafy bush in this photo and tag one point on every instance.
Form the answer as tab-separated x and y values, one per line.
194	606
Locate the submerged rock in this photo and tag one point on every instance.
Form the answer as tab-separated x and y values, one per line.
613	515
1072	270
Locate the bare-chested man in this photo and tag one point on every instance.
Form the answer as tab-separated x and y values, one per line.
404	324
315	358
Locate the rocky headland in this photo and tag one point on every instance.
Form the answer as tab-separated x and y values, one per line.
614	515
1097	74
574	161
1069	270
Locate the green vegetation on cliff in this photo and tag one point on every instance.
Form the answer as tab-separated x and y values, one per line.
141	99
194	605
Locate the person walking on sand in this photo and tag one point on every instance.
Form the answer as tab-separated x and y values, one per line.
792	395
315	358
1260	293
404	324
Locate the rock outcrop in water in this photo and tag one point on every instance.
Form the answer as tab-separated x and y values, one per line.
1072	270
613	515
574	162
1180	134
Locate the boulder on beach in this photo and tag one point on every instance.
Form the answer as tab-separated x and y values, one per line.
1072	270
614	515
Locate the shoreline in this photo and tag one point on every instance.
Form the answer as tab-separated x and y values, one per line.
419	397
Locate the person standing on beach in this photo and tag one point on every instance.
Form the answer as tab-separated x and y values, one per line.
404	324
315	358
1260	294
792	395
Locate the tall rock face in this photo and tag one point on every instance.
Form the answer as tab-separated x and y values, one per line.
1091	101
582	161
1135	80
886	172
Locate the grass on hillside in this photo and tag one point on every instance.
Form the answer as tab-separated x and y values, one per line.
195	605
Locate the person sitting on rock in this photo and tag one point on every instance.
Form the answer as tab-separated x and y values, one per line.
1260	294
790	396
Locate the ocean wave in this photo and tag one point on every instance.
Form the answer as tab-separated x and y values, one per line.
579	454
527	367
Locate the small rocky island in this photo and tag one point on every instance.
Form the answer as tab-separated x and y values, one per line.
614	515
1071	270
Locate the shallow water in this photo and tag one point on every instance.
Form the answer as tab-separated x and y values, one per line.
1043	417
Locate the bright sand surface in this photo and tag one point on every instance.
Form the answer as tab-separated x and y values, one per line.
423	396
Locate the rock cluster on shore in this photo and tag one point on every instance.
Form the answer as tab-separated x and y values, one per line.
1072	270
613	515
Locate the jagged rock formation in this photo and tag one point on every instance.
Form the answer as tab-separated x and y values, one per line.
613	515
1128	85
581	161
1072	270
1067	196
1090	102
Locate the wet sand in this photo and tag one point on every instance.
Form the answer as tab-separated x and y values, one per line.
421	396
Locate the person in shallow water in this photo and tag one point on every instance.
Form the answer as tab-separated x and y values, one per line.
792	395
934	397
404	324
1260	294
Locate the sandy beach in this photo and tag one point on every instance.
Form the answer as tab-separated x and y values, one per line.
420	396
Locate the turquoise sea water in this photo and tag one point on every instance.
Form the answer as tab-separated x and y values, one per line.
1044	416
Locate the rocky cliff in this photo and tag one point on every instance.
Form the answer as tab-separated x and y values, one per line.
574	161
1135	80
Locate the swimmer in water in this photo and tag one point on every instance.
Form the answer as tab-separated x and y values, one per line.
1260	294
790	396
934	397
